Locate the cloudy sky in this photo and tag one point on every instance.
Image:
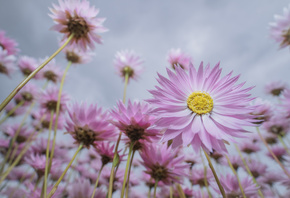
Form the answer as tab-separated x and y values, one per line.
235	33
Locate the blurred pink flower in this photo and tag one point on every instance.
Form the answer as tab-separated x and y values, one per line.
7	63
78	56
285	102
27	65
275	88
8	44
263	110
279	124
128	62
256	167
77	17
201	108
177	57
106	151
52	71
41	120
27	94
279	152
197	176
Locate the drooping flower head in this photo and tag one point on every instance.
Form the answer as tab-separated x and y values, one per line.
88	124
201	108
177	57
280	30
275	88
51	72
8	44
162	163
77	56
7	63
127	62
27	65
135	121
77	17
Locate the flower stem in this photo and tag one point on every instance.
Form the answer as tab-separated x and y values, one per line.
128	180
97	181
283	143
149	192
57	112
273	155
215	175
64	172
180	191
125	87
19	87
249	171
171	192
47	156
12	111
205	173
126	170
155	187
235	173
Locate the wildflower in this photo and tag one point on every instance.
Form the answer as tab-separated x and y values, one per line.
263	110
200	108
279	152
249	147
8	44
285	102
177	57
23	132
127	62
51	72
27	65
278	125
192	158
7	62
106	151
19	173
162	164
235	161
256	167
27	94
19	111
77	56
41	120
77	17
88	125
198	178
275	88
280	30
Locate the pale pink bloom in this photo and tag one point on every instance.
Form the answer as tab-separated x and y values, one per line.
232	189
234	159
192	158
216	156
135	121
20	173
279	152
89	125
256	167
106	151
278	125
41	120
270	178
51	72
19	111
48	100
197	176
249	147
7	63
201	108
275	88
280	29
128	62
162	163
78	56
33	192
77	17
270	138
263	110
23	133
27	65
285	102
8	44
27	94
177	57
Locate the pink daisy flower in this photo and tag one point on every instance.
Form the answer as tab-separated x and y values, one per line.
279	152
48	100
280	30
8	44
41	120
285	102
256	167
278	125
234	159
263	110
201	108
51	72
192	158
88	124
197	176
162	163
275	88
177	57
232	189
78	56
27	94
135	121
23	132
249	147
128	62
270	178
106	151
77	17
27	65
19	111
7	63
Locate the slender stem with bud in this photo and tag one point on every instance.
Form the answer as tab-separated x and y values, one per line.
19	87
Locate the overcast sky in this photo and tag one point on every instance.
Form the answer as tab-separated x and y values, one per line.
235	33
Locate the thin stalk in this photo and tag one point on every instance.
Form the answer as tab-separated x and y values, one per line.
125	87
64	172
205	174
273	155
126	170
215	175
57	112
149	192
171	192
97	181
155	187
47	155
12	111
180	191
283	143
128	180
19	87
249	171
235	173
13	153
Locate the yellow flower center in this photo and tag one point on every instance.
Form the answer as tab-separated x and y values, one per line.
200	102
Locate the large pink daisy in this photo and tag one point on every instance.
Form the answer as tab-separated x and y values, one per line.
79	18
201	108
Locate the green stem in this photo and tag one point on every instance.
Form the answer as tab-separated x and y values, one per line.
249	171
12	111
128	180
57	112
171	192
47	156
149	192
235	173
126	170
283	143
205	175
215	175
155	187
180	191
97	181
64	172
19	87
125	87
